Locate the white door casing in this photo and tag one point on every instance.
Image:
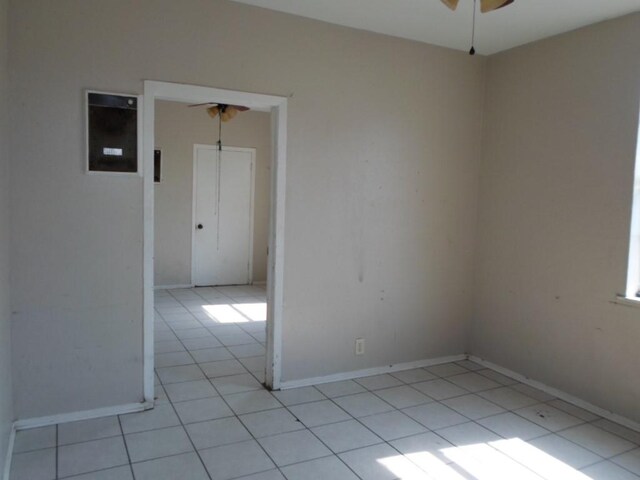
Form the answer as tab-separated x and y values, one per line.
222	234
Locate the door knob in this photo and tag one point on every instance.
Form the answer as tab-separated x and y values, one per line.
199	227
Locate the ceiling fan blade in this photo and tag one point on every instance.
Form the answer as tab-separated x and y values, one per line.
240	108
491	5
201	104
452	4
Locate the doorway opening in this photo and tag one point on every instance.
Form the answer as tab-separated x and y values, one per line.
230	305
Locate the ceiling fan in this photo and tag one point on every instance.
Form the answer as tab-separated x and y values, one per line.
224	112
485	6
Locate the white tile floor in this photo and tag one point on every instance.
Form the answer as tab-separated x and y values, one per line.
214	420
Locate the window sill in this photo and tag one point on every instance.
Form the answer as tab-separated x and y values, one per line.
627	301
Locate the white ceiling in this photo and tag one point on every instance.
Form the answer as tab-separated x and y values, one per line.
430	21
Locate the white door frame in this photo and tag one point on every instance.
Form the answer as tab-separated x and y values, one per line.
252	151
153	91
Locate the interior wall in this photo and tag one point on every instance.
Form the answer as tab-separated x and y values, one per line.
383	141
560	133
6	395
178	128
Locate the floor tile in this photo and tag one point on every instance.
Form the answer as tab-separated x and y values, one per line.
236	460
435	415
510	425
597	440
159	417
392	425
377	382
467	434
184	373
34	465
343	436
629	460
211	354
403	397
245	351
254	364
508	398
446	370
115	473
85	430
201	343
157	443
268	475
533	392
439	389
497	377
168	347
320	469
381	462
203	409
624	432
184	466
578	412
362	404
565	451
173	359
236	384
180	392
91	456
293	447
236	339
470	365
339	389
424	443
319	413
548	417
414	376
608	471
223	368
473	406
217	432
473	382
35	439
271	422
254	401
296	396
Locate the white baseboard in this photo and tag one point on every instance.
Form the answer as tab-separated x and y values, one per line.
28	423
367	372
614	417
9	456
172	287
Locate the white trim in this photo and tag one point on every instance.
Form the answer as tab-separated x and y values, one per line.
268	103
367	372
250	150
614	417
627	301
37	422
172	287
9	455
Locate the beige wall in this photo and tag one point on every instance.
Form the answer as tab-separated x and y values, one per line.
383	142
178	128
6	397
560	132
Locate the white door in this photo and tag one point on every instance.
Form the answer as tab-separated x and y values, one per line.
223	215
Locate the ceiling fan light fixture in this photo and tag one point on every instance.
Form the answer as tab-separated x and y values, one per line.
213	111
491	5
452	4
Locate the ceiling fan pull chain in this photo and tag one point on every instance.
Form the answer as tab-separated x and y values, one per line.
473	29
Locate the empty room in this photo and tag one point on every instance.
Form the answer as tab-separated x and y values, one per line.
319	239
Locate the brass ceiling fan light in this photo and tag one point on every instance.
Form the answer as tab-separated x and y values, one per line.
485	6
224	112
